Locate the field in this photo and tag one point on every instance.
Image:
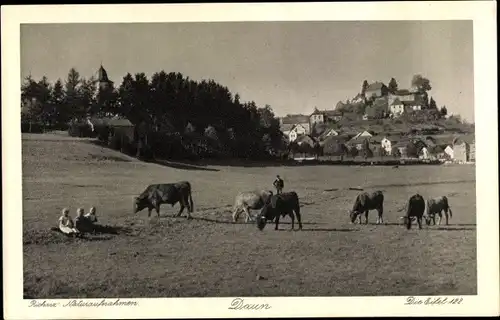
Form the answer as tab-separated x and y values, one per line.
209	256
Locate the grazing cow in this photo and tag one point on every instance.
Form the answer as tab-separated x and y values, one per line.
415	209
436	206
169	193
250	200
365	202
282	204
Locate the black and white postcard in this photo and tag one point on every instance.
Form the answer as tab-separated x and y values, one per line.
250	160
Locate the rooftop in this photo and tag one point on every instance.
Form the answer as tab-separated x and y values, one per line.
295	119
375	86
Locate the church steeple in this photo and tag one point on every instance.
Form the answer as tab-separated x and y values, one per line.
102	77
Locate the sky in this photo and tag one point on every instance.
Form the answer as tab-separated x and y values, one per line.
292	66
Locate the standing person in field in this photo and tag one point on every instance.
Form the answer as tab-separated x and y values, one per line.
66	224
279	184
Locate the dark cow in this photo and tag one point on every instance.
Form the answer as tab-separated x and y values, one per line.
169	193
436	206
415	209
282	204
365	202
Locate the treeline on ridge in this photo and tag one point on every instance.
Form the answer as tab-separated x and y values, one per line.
184	117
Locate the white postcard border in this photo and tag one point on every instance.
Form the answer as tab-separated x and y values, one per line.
483	14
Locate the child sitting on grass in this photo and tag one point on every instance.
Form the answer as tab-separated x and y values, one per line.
66	224
91	216
85	223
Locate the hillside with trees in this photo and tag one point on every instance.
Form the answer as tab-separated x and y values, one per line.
373	113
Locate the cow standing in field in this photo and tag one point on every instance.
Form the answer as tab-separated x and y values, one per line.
168	193
436	206
250	200
415	209
282	204
364	203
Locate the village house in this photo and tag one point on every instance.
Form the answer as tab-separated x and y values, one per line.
306	139
364	134
117	131
316	117
412	106
333	115
424	153
472	151
460	150
326	116
386	145
359	98
290	121
296	132
396	108
400	148
408	98
449	151
358	140
327	133
376	90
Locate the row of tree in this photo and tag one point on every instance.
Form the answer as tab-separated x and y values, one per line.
168	103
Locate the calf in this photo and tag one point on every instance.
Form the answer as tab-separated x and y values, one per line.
365	202
436	206
282	204
415	209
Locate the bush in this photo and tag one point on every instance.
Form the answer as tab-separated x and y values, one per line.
80	129
35	127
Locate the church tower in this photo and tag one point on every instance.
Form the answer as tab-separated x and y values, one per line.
102	77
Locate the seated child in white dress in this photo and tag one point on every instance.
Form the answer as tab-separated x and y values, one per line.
66	224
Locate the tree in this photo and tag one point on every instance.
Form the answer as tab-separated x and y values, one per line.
36	102
57	102
393	86
411	150
364	87
106	99
43	94
162	109
72	103
367	152
432	104
443	112
88	91
423	84
211	133
353	151
126	100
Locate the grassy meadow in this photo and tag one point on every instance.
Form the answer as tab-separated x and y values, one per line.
210	256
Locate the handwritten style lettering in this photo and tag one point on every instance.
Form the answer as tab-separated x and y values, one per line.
36	304
434	301
239	304
102	303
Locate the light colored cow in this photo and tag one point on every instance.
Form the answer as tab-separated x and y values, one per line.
250	200
436	206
